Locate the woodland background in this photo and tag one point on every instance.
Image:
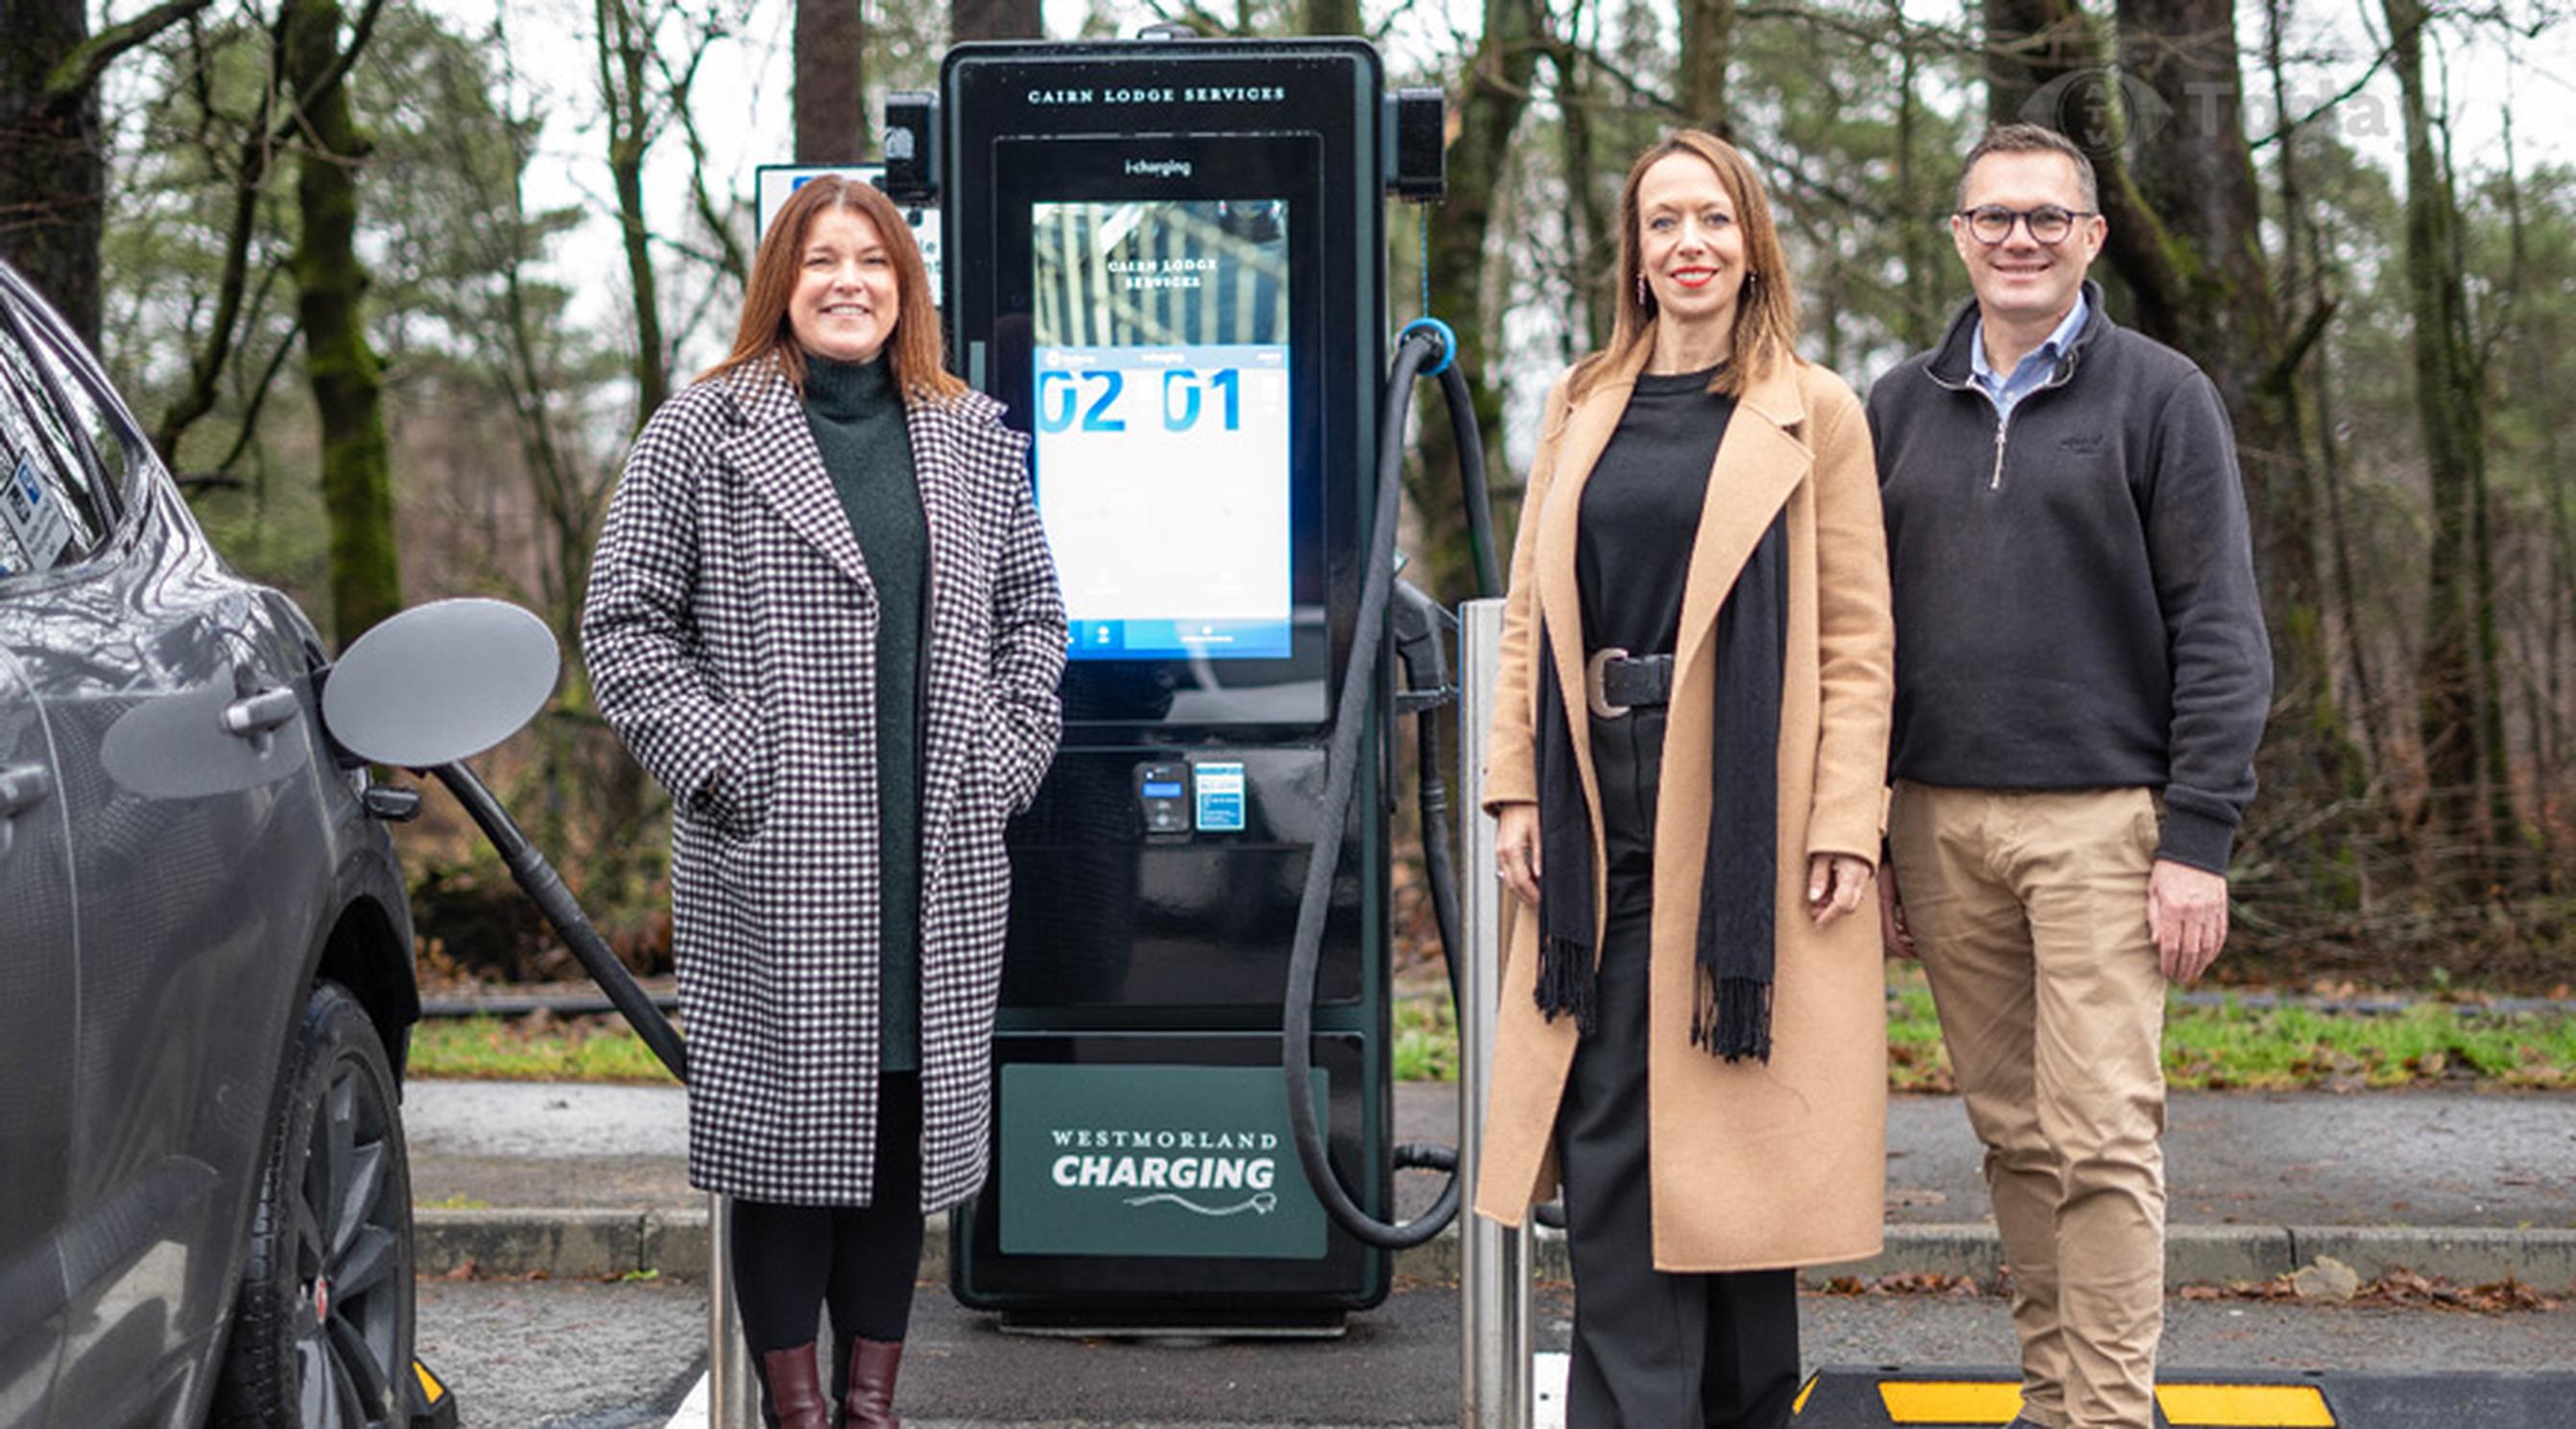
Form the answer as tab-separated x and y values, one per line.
395	345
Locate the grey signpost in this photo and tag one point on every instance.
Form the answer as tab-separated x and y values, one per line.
1494	1273
733	1396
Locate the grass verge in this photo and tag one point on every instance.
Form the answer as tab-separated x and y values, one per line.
532	1049
2234	1047
2212	1048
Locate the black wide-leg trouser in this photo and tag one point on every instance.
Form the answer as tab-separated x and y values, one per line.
1651	1350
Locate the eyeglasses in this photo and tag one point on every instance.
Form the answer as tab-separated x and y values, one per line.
1993	223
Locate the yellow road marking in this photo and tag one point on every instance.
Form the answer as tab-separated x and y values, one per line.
2246	1406
2189	1406
1949	1401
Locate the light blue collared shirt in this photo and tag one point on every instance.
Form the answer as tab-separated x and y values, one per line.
2034	367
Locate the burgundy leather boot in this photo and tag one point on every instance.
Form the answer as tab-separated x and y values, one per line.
869	1401
791	1390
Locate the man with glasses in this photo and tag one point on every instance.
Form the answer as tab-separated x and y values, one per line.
2081	679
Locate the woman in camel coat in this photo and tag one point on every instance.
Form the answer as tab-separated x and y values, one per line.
1692	1019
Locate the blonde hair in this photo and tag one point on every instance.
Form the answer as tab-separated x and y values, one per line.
764	332
1766	306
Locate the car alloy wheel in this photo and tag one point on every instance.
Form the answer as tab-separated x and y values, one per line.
323	1335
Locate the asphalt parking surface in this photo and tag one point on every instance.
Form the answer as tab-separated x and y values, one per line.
559	1355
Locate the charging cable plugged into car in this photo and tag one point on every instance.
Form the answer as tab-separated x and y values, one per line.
436	685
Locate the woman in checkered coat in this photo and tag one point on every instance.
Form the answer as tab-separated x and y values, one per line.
823	615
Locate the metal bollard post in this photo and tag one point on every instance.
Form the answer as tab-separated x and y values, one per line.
1494	1264
733	1395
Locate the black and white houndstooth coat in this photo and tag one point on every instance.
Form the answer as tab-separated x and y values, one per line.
730	628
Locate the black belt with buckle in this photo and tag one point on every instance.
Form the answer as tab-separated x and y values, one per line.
1615	682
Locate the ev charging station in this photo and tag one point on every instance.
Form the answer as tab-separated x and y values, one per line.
1167	258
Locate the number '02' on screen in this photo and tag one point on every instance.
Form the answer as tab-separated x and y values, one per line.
1095	396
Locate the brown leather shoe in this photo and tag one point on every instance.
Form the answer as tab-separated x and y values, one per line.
869	1401
791	1390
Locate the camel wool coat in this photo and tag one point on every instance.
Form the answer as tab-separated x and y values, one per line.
1755	1166
731	630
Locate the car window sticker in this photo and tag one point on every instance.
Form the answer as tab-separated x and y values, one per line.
41	468
15	445
34	516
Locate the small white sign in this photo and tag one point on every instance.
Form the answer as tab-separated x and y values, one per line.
1220	797
34	517
776	182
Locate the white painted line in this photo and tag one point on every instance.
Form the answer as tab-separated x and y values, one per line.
693	1410
1547	1389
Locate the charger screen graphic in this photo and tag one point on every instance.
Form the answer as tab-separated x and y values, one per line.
1161	413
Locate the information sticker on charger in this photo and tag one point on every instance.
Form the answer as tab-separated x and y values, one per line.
1220	797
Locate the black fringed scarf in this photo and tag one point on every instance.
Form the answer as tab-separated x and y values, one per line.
1738	885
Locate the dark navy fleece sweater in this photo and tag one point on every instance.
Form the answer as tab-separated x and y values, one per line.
2074	590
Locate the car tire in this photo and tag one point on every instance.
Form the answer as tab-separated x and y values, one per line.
322	1334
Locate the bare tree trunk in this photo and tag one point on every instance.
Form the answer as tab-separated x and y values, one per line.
625	45
1708	44
1321	17
2550	735
2300	241
679	84
2446	392
357	476
1491	97
2197	173
2494	753
53	160
831	98
2367	701
2558	580
250	178
1919	197
2031	44
1591	259
53	173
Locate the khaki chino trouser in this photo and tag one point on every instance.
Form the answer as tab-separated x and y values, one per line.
2029	908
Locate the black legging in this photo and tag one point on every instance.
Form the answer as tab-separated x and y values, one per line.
788	1260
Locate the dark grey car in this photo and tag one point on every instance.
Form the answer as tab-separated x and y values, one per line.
205	962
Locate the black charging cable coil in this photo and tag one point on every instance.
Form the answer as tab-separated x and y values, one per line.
1424	349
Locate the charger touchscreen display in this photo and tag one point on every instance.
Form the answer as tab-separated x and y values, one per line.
1161	416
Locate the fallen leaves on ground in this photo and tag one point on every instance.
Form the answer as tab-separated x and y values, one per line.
2395	1290
1912	1282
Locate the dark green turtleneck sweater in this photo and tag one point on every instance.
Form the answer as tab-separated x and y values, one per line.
858	422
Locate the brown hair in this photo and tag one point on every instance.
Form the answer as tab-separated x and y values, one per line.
2031	139
1766	306
913	347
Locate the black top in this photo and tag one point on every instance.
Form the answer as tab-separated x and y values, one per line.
2075	599
858	423
1641	510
